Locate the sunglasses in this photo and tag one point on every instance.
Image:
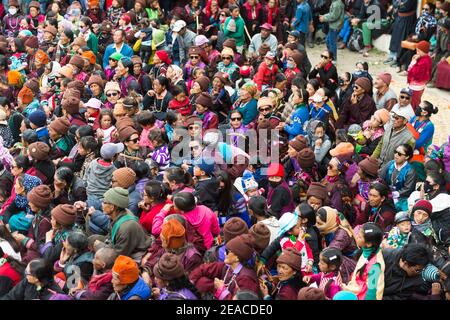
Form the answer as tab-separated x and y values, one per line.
194	57
226	58
325	57
236	119
134	140
405	97
112	94
399	153
265	109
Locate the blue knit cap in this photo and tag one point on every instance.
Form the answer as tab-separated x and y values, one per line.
206	164
38	118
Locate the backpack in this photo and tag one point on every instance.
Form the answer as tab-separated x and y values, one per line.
356	43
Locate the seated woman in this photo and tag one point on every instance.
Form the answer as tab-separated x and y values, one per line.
400	176
422	229
381	209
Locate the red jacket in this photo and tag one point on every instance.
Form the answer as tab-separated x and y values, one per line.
146	219
420	72
203	279
265	76
184	107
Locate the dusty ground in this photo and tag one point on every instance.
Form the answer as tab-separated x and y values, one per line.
441	98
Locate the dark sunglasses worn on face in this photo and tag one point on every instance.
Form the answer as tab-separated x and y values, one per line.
226	58
325	57
236	119
113	94
405	97
194	57
265	109
399	153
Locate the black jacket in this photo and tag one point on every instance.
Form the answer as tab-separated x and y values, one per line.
207	193
397	284
27	291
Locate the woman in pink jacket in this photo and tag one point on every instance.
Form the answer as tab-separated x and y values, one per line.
203	219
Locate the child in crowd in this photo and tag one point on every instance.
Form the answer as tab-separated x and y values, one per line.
107	126
399	235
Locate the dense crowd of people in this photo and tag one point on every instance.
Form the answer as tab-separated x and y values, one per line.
189	150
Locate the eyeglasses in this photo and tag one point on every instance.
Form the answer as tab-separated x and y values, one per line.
111	59
95	9
236	119
194	57
134	140
193	128
265	109
226	58
325	57
405	97
399	153
113	94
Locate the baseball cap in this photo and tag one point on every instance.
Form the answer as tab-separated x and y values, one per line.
294	33
270	55
407	91
267	26
109	150
178	25
402	112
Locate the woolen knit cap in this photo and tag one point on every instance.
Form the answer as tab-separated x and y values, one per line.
168	267
33	84
118	197
38	118
261	236
370	166
64	214
306	158
77	61
241	246
192	119
228	52
51	29
174	233
343	151
126	132
423	46
275	170
126	269
424	205
265	101
163	56
292	257
364	83
112	86
71	103
96	79
318	190
299	143
41	57
385	77
60	125
90	56
233	228
13	3
66	71
39	151
32	42
205	100
79	41
41	196
34	4
125	122
26	95
136	60
383	114
203	82
222	76
125	177
311	293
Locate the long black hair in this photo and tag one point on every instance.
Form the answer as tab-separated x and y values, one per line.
42	269
373	234
157	190
225	197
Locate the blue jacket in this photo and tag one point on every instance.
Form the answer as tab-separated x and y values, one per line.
126	51
303	17
298	119
140	289
249	111
426	130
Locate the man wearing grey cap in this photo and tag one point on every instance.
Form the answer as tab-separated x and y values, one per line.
395	135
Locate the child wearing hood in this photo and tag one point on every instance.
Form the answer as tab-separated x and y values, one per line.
206	186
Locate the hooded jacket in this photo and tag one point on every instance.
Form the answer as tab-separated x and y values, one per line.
98	177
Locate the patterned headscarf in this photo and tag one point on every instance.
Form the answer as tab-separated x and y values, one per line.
427	21
5	156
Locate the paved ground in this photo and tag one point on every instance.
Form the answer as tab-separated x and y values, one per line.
441	98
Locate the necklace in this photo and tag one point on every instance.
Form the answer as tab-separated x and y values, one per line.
11	20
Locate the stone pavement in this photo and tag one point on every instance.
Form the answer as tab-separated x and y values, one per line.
346	61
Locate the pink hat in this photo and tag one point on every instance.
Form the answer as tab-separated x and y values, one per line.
200	40
267	26
385	77
94	104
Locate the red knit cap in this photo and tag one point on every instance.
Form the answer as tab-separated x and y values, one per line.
424	205
163	56
126	269
275	170
423	46
25	95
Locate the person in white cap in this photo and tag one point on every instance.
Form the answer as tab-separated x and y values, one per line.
404	103
187	38
264	36
395	135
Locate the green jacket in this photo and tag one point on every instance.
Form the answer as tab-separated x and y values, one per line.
92	43
239	34
335	17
